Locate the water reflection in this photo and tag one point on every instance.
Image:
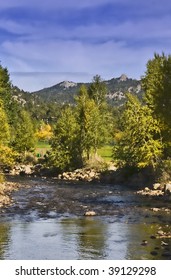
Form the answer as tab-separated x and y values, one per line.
82	238
90	236
144	245
4	238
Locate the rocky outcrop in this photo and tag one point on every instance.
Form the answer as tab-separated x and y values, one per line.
123	78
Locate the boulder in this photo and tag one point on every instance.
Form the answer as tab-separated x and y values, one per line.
167	189
157	186
90	213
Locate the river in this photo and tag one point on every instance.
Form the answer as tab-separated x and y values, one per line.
46	221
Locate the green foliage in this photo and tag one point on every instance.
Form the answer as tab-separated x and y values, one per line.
4	127
92	119
157	86
65	153
24	133
97	90
5	87
140	143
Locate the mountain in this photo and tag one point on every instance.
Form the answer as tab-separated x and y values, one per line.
65	91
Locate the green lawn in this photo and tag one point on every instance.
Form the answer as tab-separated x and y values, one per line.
42	148
42	144
106	152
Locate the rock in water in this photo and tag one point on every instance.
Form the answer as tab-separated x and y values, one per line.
90	213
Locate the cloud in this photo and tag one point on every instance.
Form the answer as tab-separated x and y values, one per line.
78	39
58	60
33	81
50	4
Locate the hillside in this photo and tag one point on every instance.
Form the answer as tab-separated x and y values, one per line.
65	91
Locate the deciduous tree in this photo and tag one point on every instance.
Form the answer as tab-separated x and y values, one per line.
65	152
140	143
157	86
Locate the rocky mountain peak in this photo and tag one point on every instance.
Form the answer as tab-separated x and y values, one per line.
123	78
68	84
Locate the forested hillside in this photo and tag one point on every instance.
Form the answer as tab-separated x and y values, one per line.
66	91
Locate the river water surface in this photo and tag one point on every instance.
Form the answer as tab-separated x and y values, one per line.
47	221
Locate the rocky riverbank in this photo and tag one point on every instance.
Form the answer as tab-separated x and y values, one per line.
6	190
112	177
157	190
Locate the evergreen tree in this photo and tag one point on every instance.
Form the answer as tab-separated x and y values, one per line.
65	145
5	88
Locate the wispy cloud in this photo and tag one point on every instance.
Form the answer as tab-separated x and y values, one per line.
107	37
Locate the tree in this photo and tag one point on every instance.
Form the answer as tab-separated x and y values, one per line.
7	156
5	87
92	122
45	132
65	145
4	127
140	142
97	90
157	86
24	135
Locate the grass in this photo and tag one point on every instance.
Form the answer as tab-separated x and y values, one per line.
42	144
106	152
42	148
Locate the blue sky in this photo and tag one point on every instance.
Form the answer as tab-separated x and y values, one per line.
43	42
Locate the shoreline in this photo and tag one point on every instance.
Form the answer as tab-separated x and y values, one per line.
6	190
90	176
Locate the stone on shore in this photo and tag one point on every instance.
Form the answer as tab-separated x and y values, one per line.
167	189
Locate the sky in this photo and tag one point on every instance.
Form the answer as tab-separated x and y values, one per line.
44	42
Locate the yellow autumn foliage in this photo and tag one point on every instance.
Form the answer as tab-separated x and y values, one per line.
7	156
44	133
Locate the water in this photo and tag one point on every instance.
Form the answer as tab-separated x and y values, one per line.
47	222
